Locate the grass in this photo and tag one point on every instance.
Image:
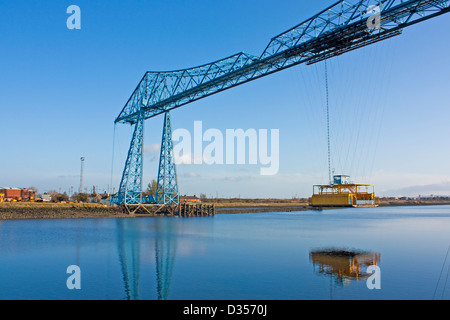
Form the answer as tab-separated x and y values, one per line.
43	210
50	204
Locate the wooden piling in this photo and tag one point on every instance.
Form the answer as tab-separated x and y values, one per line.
182	210
196	210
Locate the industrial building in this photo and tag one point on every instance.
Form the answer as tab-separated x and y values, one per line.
15	194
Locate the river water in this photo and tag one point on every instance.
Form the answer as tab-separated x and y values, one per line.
257	256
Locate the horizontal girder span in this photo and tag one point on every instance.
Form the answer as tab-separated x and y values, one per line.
338	29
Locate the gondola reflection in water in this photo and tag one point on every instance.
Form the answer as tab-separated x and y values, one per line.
344	265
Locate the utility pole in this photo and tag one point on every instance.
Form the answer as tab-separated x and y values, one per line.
81	175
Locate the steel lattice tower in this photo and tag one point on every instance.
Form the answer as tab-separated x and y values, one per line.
167	188
130	191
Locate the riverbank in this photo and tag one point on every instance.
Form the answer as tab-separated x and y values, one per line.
274	205
39	210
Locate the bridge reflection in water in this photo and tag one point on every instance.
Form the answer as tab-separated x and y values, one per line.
130	235
342	264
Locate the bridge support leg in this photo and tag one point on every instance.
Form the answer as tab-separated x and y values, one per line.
130	191
167	187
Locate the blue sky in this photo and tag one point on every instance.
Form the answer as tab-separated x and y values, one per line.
62	89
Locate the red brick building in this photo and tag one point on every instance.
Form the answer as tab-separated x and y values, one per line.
16	194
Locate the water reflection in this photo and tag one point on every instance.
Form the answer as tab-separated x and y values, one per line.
129	249
128	244
343	265
216	257
165	250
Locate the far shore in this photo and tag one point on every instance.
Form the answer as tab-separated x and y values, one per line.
34	210
290	207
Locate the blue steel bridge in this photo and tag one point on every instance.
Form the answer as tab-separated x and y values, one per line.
342	27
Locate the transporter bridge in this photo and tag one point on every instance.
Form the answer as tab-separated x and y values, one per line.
342	27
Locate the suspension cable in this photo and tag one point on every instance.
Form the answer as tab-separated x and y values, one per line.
328	123
112	160
443	266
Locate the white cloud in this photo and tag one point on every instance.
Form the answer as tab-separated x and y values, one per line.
152	151
189	158
191	175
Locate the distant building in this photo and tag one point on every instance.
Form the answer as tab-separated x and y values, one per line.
10	194
27	195
46	197
16	194
94	198
407	198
